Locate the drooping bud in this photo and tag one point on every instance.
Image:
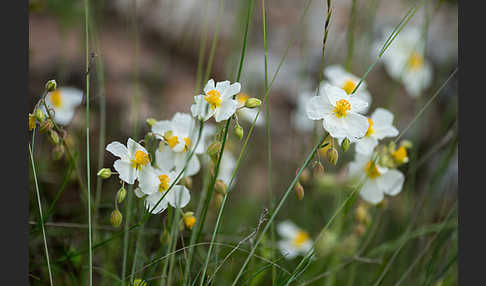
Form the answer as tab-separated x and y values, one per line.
299	191
54	137
51	85
39	115
361	214
239	131
151	121
332	156
318	169
345	144
304	176
116	218
121	194
253	102
218	200
213	149
104	173
189	220
45	126
220	187
31	122
187	182
58	152
139	282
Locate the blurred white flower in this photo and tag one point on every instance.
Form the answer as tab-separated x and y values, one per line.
380	126
378	180
295	241
248	114
227	165
340	112
63	102
218	101
405	61
133	159
339	77
300	120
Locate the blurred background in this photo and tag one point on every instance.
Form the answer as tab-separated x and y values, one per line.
145	58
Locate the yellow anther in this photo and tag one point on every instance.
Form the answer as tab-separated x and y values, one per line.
164	183
172	140
400	155
300	238
56	98
188	143
141	159
349	86
370	128
31	122
416	61
342	106
371	170
242	97
189	219
213	97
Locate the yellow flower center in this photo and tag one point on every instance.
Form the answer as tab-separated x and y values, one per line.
370	128
189	221
349	86
416	61
300	238
188	144
400	155
56	98
342	106
164	183
371	170
172	140
141	159
213	97
242	97
31	122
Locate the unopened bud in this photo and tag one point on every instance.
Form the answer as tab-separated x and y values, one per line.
332	156
304	176
345	144
39	115
220	187
239	131
189	220
139	282
31	122
51	85
299	191
104	173
116	218
45	126
151	121
213	149
318	169
121	194
253	102
361	214
218	200
58	152
187	182
406	144
54	137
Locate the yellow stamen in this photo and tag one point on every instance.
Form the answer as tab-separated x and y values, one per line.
370	128
164	183
56	98
141	159
172	140
242	97
31	122
300	238
416	61
188	144
371	170
213	97
400	155
342	106
349	86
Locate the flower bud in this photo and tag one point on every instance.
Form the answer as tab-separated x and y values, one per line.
304	176
51	85
121	194
54	137
218	200
213	149
151	121
220	187
332	156
45	126
318	169
361	214
239	131
299	191
58	152
139	282
39	115
104	173
253	102
187	182
116	218
345	144
189	220
31	122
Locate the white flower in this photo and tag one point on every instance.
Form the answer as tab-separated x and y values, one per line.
404	60
339	111
226	167
133	158
295	241
176	160
299	116
380	126
339	77
248	114
62	103
378	180
217	101
156	181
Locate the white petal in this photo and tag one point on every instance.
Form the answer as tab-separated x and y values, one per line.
334	93
226	110
72	97
148	180
118	149
209	86
134	146
138	192
366	145
222	86
357	105
318	107
287	229
391	182
382	116
125	171
182	123
232	90
335	126
370	192
287	249
152	200
356	124
160	127
192	167
200	109
384	131
63	116
178	196
164	157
